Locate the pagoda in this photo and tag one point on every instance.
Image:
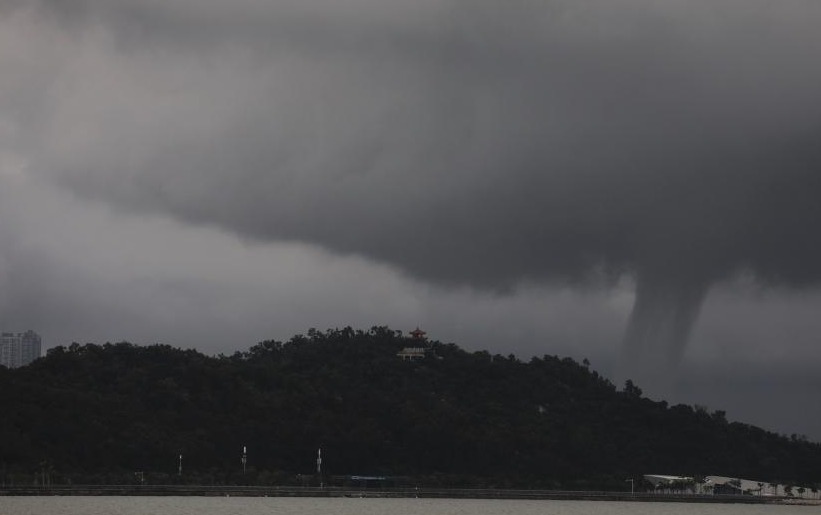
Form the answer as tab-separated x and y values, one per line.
418	334
419	348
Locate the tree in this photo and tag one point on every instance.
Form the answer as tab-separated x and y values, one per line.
631	390
103	412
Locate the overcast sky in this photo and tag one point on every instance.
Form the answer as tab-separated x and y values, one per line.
631	181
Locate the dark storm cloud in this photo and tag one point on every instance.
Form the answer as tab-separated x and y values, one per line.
468	143
76	272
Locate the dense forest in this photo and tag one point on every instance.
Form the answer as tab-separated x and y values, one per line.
116	412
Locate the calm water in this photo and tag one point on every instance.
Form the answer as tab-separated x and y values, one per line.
343	506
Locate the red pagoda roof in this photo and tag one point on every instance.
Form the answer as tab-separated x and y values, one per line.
418	334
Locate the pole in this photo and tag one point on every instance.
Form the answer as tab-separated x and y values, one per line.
244	458
632	484
179	470
319	467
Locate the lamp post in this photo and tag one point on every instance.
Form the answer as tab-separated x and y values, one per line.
319	467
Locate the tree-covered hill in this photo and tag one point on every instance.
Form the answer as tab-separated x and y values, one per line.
100	413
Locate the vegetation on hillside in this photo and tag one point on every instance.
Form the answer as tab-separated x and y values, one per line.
91	413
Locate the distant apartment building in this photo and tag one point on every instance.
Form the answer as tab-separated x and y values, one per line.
19	349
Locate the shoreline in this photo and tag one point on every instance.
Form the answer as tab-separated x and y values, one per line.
394	493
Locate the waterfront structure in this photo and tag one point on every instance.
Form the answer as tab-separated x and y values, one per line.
19	349
670	484
723	485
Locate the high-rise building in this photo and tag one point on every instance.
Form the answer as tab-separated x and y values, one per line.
17	350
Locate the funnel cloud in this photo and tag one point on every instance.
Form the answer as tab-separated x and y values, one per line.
568	144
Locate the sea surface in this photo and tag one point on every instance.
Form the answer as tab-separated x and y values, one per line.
76	505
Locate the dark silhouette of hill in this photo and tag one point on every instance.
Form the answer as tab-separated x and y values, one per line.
91	413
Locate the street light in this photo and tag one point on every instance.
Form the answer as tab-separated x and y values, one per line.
319	467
